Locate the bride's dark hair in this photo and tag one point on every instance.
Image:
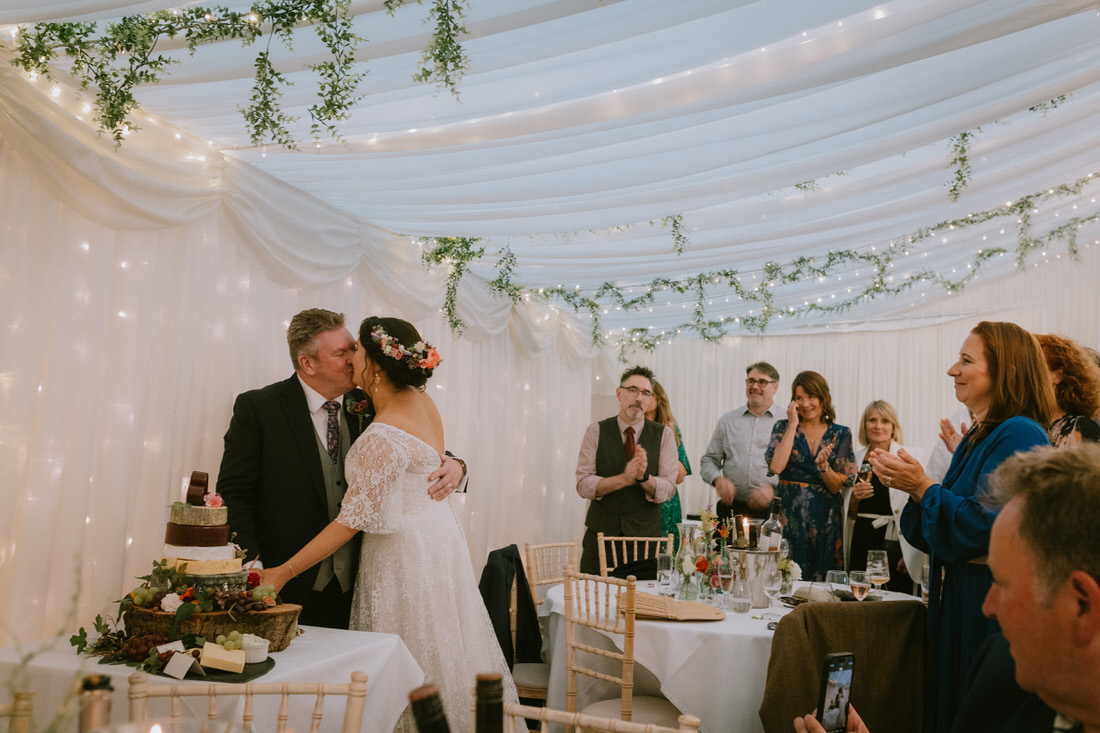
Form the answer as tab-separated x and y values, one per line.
403	372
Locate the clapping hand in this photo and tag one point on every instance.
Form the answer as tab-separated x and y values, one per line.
822	458
951	437
902	472
637	465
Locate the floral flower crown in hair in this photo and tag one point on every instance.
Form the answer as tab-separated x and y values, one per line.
420	355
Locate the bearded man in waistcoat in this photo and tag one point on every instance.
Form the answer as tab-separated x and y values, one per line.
626	467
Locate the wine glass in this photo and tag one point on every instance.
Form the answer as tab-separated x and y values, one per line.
864	471
859	584
878	568
773	584
837	580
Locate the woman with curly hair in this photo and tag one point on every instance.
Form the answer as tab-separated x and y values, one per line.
1076	380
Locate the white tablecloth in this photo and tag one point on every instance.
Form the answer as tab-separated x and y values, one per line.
712	669
318	655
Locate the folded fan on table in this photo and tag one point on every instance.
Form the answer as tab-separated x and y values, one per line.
649	606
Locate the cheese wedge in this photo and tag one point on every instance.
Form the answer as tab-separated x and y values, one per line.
216	656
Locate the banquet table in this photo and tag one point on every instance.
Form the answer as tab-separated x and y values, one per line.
712	669
52	667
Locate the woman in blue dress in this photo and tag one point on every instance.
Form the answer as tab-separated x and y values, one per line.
1002	379
813	458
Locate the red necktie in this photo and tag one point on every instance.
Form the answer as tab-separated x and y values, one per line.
333	430
628	444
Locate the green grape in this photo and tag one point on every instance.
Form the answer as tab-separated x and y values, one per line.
235	635
220	639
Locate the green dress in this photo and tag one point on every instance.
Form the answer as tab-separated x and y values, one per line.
671	514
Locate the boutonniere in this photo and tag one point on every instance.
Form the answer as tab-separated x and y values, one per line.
357	407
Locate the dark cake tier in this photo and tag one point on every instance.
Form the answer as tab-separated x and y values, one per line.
188	535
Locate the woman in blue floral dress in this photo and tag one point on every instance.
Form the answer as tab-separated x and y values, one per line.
813	458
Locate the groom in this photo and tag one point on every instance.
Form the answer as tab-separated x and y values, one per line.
282	472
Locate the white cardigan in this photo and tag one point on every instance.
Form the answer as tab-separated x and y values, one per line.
913	557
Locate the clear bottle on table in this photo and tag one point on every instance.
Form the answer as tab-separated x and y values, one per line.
771	531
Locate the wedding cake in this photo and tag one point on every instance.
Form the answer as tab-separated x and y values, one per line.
197	538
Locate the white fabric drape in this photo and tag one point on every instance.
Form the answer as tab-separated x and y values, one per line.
142	288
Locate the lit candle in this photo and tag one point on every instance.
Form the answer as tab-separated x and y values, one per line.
745	523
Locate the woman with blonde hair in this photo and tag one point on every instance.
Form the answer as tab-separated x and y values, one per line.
660	411
871	509
1002	379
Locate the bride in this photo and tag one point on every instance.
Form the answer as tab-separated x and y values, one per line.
415	577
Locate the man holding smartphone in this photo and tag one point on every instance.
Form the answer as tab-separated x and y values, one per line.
1045	595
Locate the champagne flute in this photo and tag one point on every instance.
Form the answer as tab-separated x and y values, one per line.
878	568
725	575
859	584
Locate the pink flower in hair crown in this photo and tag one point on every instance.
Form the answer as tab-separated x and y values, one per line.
420	355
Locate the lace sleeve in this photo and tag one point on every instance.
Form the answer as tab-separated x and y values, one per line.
374	468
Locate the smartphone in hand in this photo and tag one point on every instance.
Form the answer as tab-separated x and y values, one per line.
836	690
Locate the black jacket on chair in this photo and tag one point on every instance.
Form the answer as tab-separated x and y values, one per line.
502	569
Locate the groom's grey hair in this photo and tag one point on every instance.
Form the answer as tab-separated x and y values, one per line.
304	329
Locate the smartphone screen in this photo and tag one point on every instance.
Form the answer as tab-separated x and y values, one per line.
836	689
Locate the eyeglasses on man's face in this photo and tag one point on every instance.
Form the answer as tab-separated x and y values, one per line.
643	393
750	382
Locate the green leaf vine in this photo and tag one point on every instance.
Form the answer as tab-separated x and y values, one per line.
444	61
123	56
675	226
960	163
756	288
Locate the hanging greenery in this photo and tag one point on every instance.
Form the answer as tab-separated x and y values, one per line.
960	162
675	225
756	289
123	56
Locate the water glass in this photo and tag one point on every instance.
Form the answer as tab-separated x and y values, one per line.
925	574
667	579
740	596
837	580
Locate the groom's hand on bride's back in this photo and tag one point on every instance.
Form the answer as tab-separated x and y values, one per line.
444	480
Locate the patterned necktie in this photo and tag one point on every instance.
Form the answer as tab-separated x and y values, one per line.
333	444
628	444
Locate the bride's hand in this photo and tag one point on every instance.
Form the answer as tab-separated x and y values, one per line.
445	479
277	576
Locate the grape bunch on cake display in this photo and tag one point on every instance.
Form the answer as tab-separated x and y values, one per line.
198	602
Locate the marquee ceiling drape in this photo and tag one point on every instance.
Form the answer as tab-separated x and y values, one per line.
773	130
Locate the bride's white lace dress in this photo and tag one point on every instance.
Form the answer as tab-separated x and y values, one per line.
415	577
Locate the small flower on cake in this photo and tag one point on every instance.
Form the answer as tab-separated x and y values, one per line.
171	602
213	500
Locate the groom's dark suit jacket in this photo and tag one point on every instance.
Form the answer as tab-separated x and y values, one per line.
271	476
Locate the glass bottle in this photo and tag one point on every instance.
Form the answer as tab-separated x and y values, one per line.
489	703
427	710
771	531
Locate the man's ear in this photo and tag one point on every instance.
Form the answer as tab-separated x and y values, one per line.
1085	594
305	365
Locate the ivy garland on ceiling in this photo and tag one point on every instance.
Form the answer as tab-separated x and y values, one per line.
124	56
757	288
